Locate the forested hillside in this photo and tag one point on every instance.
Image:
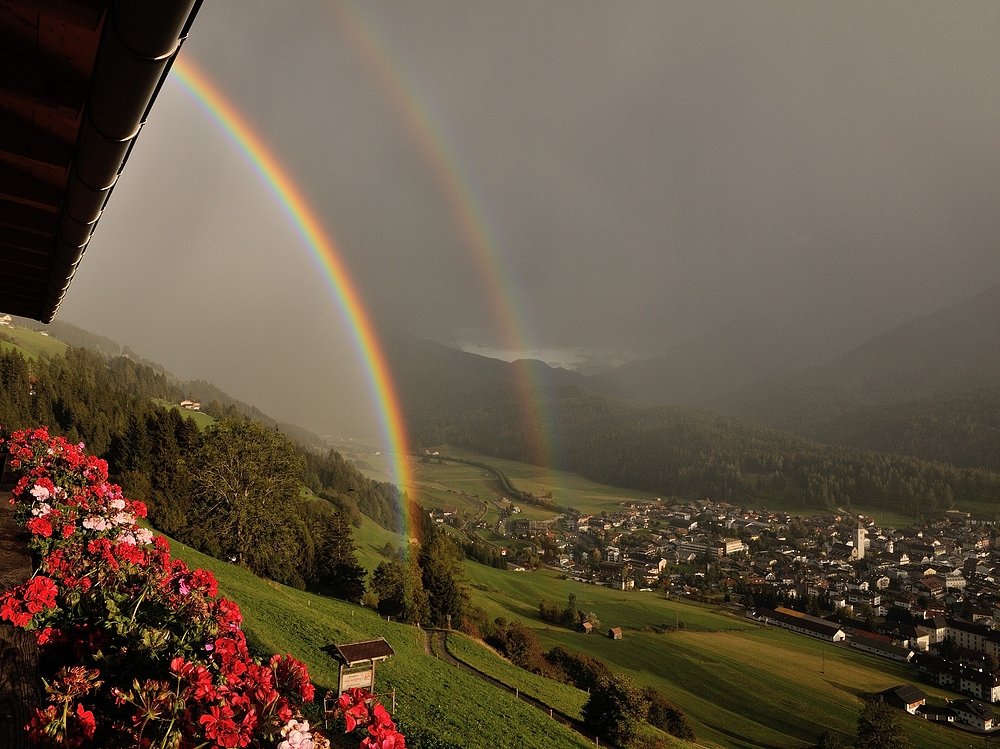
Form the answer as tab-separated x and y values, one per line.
930	388
215	401
667	450
159	457
959	428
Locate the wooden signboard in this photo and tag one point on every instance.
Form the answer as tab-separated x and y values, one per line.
357	663
357	679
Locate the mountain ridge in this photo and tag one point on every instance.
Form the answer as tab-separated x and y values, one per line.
201	390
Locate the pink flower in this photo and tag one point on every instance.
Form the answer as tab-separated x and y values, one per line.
95	523
40	492
144	536
296	735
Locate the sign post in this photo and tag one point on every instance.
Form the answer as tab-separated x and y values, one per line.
357	663
357	669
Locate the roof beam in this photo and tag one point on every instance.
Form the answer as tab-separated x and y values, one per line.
25	81
26	241
22	286
19	306
18	187
15	272
86	14
29	147
26	218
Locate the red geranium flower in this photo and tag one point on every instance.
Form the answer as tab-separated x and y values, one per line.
40	594
40	527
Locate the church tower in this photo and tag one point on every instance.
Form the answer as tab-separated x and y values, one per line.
859	542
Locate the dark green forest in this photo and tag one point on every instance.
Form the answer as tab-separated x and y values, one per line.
958	428
685	452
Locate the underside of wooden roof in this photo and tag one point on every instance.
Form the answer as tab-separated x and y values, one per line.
77	81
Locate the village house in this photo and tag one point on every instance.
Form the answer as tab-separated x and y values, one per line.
975	714
869	643
801	623
904	697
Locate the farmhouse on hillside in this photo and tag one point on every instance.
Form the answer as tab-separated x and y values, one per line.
905	697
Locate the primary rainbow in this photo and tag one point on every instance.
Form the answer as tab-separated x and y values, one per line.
326	254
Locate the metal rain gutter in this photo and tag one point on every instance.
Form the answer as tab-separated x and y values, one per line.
138	45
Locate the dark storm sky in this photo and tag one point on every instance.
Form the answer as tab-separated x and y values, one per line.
653	173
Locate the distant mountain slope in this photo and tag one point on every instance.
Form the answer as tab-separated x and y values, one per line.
73	336
962	429
471	401
200	390
734	357
929	388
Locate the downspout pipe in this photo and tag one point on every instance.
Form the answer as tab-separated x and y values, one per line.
138	45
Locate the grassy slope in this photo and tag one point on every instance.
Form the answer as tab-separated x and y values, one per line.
431	695
370	539
203	420
31	344
563	697
742	686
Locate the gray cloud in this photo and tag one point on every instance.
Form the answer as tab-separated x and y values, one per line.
655	171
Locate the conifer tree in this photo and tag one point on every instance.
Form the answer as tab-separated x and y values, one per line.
442	578
337	562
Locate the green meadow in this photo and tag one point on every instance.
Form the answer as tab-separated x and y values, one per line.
742	686
371	539
471	489
568	489
31	343
203	420
437	705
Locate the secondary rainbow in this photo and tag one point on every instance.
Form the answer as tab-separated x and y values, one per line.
467	206
324	251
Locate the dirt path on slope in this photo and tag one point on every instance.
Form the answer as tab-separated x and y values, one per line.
441	652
